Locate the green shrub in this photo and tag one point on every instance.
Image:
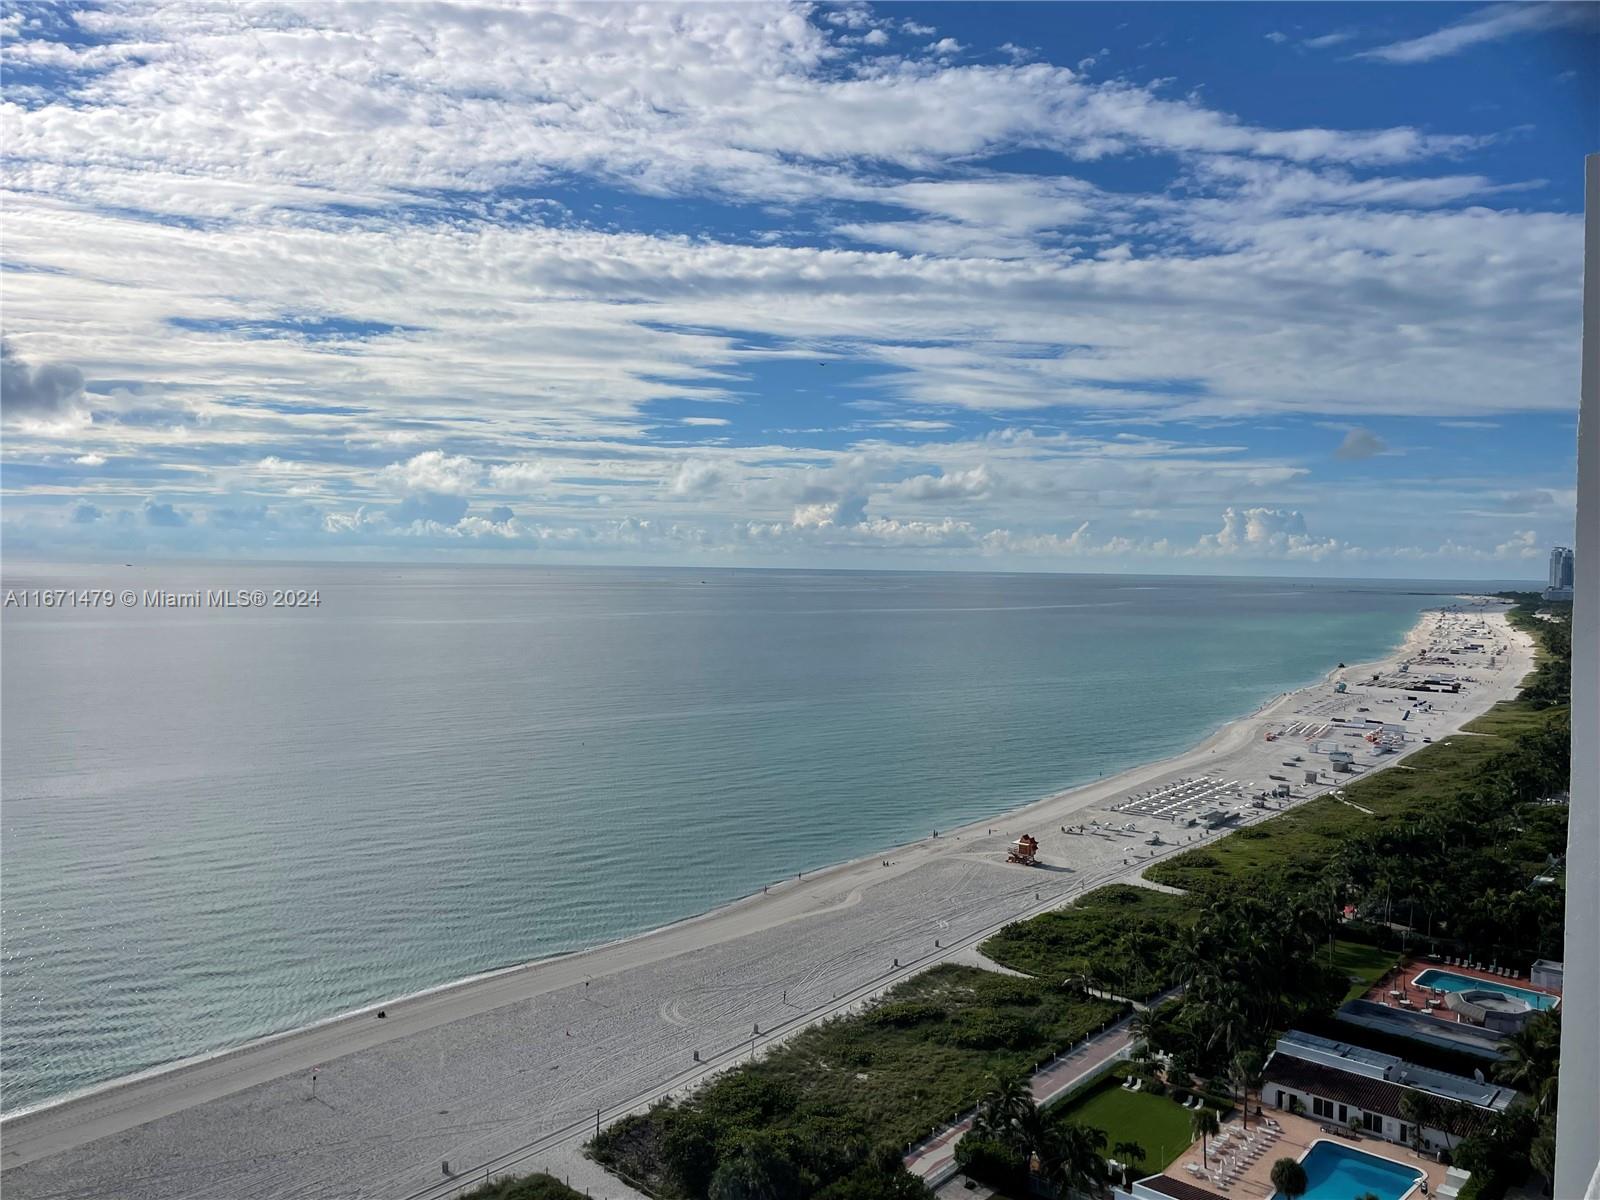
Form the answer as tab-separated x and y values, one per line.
993	1162
529	1187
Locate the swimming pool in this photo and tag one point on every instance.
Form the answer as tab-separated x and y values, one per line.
1336	1172
1451	982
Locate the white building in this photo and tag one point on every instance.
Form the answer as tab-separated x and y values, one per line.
1344	1085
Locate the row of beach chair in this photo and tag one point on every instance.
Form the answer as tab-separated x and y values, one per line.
1503	972
1237	1159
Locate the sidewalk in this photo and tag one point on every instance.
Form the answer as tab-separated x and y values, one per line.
934	1161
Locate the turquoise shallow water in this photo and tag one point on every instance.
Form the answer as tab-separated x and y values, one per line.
218	825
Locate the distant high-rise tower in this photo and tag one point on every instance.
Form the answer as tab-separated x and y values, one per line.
1559	586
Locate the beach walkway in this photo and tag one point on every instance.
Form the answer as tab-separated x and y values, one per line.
934	1161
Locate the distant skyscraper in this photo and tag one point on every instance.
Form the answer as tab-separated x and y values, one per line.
1559	586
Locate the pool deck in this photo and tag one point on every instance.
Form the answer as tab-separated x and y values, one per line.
1293	1138
1395	990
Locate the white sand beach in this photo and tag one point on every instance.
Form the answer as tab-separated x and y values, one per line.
475	1071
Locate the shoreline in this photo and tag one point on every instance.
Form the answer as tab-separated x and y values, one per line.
170	1089
218	1053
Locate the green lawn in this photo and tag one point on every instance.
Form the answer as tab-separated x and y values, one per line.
1366	964
1158	1123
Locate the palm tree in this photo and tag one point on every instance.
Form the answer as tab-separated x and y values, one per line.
1070	1158
1203	1124
1142	1026
1289	1177
1129	1154
1533	1056
1542	1151
1230	1022
1244	1073
1006	1104
1193	958
1419	1110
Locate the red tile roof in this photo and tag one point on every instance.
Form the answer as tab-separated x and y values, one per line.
1369	1095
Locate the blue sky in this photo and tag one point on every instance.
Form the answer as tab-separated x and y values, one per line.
1161	287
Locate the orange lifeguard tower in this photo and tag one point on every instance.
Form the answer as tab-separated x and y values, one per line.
1024	850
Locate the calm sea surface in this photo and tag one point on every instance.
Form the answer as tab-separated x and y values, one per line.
217	825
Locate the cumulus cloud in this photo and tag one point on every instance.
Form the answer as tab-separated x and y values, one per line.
695	478
1524	545
164	516
850	510
47	392
1359	443
437	508
90	460
972	484
434	471
84	513
1266	533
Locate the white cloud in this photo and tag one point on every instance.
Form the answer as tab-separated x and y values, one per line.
1524	545
850	510
1267	533
436	472
228	302
1488	24
1327	40
518	476
972	484
90	460
696	478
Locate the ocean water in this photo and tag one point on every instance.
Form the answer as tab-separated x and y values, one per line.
220	824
